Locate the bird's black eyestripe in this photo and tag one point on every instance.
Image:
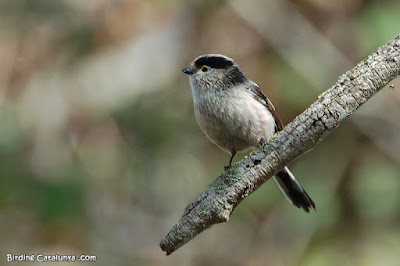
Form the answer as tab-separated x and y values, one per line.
214	62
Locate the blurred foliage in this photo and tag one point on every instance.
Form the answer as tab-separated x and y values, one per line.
100	151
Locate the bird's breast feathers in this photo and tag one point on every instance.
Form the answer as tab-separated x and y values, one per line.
234	121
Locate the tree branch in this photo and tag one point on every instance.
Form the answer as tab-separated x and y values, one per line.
351	90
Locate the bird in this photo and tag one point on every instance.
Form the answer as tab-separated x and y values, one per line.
235	114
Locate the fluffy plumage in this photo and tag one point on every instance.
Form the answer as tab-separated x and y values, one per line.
235	115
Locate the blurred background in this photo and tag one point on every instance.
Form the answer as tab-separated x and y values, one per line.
100	152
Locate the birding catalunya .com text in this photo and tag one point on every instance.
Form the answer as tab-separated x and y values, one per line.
10	257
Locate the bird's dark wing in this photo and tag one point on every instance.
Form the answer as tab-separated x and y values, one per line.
259	96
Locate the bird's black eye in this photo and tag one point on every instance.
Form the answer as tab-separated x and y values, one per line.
204	68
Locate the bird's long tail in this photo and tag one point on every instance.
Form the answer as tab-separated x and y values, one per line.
293	190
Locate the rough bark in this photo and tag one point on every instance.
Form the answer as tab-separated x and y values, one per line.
352	89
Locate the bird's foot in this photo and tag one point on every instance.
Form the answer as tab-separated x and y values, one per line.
226	167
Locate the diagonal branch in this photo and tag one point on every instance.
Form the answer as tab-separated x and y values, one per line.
351	90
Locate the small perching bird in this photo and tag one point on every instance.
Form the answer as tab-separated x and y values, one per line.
235	115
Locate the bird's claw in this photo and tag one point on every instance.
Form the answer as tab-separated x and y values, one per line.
226	167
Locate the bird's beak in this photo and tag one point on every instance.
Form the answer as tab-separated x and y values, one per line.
187	71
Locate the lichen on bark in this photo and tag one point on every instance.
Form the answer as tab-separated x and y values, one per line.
351	90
